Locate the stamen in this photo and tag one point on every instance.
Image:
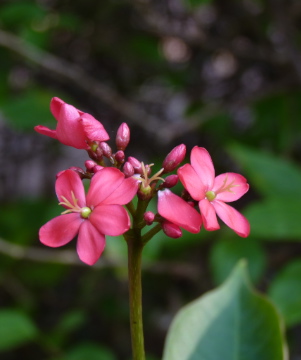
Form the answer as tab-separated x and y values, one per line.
223	187
72	207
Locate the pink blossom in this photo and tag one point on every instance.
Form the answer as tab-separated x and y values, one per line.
212	192
178	211
93	216
74	128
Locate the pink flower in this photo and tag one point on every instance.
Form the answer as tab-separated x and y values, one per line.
213	192
74	128
178	211
93	216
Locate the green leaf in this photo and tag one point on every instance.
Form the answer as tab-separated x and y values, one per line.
15	329
225	254
89	351
285	291
270	175
230	323
275	219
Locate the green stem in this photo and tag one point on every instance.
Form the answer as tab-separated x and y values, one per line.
152	232
135	247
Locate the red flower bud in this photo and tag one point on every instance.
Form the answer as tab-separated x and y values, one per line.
119	157
123	136
128	169
136	164
89	164
174	158
106	150
76	169
149	217
171	230
97	168
170	181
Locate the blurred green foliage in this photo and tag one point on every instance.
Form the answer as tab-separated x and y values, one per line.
215	74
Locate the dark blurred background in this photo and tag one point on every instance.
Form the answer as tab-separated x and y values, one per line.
225	75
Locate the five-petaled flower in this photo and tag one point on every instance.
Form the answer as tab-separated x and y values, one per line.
213	192
93	216
74	127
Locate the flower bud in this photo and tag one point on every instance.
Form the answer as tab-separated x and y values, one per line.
89	164
97	168
149	217
136	164
171	230
170	181
76	169
123	136
174	158
128	169
106	149
119	157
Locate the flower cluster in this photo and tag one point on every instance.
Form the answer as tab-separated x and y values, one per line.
115	180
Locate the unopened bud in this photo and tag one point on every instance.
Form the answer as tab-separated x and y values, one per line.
106	149
170	181
89	164
128	169
119	157
136	164
174	158
149	217
171	230
123	136
97	168
76	169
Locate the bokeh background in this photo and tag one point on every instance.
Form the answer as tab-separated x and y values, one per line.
225	75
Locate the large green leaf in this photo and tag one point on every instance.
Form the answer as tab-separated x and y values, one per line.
15	329
230	323
270	175
285	291
275	219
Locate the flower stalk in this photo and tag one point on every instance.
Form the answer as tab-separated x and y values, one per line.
135	247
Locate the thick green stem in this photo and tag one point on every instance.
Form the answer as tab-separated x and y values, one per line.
135	247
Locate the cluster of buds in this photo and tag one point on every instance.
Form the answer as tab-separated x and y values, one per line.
116	179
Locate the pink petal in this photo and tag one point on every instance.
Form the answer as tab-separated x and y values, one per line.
192	182
45	131
68	182
230	187
124	193
202	163
93	129
208	215
231	217
110	220
177	211
69	128
103	184
60	230
55	106
90	243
